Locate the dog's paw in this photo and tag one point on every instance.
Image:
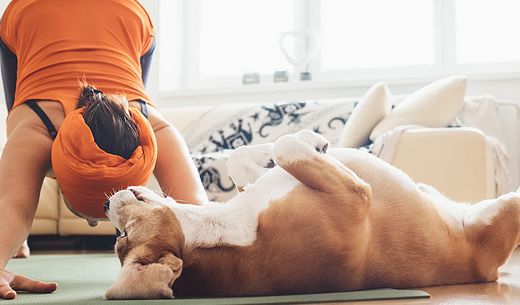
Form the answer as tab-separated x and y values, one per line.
147	195
314	139
261	155
302	145
247	163
157	293
136	281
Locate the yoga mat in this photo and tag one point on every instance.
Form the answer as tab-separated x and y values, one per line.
84	278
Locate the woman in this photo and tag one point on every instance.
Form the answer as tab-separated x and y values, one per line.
48	47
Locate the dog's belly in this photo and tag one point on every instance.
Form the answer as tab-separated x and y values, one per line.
298	252
388	183
415	239
404	230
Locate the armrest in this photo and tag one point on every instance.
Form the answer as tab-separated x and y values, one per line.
509	114
453	160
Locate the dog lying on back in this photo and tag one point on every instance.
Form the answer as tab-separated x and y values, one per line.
319	221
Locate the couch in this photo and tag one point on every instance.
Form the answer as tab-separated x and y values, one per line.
454	160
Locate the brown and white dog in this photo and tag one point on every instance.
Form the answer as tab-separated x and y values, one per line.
318	222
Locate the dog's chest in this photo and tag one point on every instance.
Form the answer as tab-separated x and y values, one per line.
241	220
234	223
256	197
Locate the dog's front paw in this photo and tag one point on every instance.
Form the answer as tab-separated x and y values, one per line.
136	281
247	163
314	139
302	145
158	293
145	194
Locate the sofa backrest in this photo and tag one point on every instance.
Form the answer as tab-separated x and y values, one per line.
188	118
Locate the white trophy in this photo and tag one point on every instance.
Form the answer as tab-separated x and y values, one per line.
310	38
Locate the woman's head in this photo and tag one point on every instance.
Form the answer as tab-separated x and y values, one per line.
109	119
102	147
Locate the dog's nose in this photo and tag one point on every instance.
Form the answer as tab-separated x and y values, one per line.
106	206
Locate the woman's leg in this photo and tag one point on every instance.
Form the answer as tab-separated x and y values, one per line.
23	165
24	162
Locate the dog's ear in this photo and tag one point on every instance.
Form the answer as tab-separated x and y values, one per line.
154	252
174	263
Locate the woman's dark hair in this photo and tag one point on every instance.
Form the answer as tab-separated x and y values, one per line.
113	128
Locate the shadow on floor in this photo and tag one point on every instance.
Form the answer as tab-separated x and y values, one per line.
45	243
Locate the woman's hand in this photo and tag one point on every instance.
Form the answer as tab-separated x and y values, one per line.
10	282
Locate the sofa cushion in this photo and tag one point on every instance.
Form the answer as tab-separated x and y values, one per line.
46	217
434	105
47	204
373	107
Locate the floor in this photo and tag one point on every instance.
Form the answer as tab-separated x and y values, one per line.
505	291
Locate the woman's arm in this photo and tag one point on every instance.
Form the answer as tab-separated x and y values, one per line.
24	162
175	170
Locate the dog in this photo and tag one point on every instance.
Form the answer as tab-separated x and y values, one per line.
318	221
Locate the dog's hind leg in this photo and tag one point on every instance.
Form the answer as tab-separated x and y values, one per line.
493	226
303	156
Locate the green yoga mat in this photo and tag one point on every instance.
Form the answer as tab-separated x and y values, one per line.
84	278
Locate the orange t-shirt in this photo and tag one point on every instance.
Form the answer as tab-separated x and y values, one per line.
59	43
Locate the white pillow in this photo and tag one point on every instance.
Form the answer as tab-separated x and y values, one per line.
374	106
435	105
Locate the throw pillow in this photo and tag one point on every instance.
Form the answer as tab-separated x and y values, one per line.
435	105
373	107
